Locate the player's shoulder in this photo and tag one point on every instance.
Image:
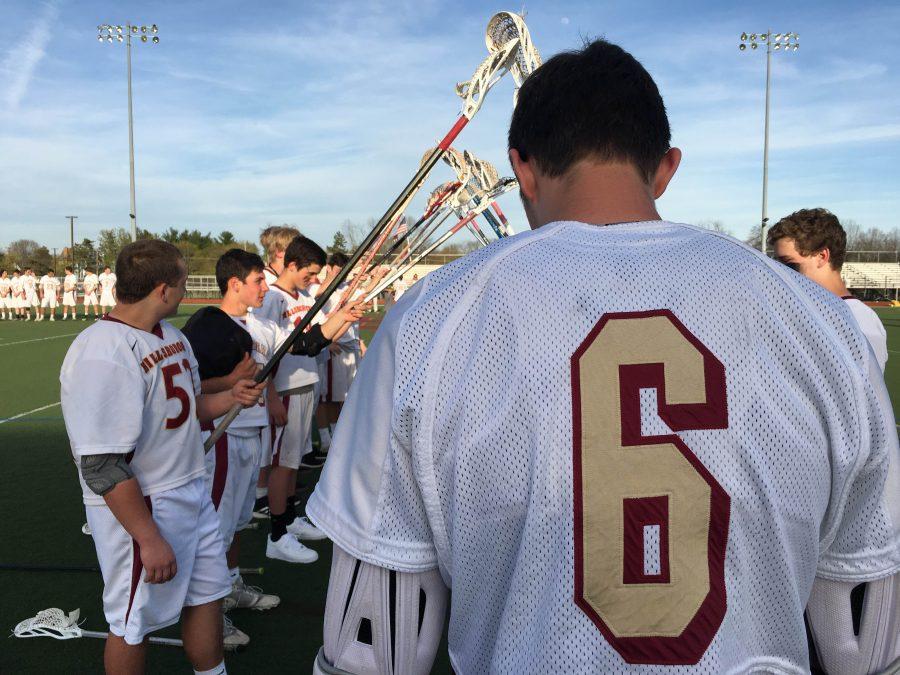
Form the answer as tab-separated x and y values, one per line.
109	341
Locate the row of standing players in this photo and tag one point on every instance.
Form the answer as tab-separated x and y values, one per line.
23	294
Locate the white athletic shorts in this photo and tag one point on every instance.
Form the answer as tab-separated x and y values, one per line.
107	299
294	439
90	299
7	302
187	521
265	454
68	299
49	301
340	371
32	301
232	468
22	303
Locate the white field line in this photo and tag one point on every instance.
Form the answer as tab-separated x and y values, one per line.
30	412
52	337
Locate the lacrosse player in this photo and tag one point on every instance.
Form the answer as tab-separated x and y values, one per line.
17	291
70	283
813	242
231	343
286	303
49	286
660	459
131	402
107	280
274	241
6	304
29	287
90	284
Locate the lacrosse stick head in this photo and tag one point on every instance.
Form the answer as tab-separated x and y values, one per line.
484	173
505	27
51	622
440	193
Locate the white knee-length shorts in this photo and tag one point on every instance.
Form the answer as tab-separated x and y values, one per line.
187	521
232	467
293	440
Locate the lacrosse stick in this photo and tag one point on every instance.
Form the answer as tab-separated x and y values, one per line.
485	176
503	186
503	58
58	625
471	174
509	229
26	567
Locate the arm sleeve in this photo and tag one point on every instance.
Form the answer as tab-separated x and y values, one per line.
864	543
311	342
103	406
368	499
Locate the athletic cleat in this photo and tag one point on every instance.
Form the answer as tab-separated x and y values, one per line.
86	529
261	513
232	637
303	529
290	550
248	597
312	460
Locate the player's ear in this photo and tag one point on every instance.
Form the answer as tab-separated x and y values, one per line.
823	257
525	174
668	165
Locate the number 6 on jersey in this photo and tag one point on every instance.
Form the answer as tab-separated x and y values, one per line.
651	522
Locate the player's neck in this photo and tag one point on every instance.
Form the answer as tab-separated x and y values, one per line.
139	314
285	282
277	265
835	284
598	194
233	306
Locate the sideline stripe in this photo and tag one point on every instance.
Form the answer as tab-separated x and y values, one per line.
25	414
52	337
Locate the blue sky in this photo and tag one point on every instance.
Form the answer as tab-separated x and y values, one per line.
315	112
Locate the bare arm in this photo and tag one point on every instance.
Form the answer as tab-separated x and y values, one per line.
245	370
245	393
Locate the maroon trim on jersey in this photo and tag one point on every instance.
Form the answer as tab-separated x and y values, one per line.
137	565
269	269
277	452
221	472
639	512
689	647
156	330
849	297
294	294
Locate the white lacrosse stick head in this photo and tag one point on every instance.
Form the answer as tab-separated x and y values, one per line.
505	27
51	622
440	192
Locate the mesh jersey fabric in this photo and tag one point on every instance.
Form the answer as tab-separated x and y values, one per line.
455	447
128	391
871	327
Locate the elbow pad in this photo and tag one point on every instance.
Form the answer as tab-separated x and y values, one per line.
103	472
380	622
310	343
859	642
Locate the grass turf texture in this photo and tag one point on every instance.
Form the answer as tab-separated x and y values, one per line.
42	513
40	507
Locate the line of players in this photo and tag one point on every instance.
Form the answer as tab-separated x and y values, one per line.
23	294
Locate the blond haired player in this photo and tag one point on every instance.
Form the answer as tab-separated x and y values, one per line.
652	465
49	286
89	286
274	241
70	286
107	280
131	402
6	304
286	303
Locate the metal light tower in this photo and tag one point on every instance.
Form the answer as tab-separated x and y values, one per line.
109	33
72	239
774	42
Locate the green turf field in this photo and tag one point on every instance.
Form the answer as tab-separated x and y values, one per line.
41	512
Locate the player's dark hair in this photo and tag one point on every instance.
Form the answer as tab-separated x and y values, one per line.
338	259
813	230
597	102
67	268
303	252
145	264
27	269
236	263
50	270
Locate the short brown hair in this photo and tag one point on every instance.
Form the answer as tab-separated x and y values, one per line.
813	230
275	239
145	264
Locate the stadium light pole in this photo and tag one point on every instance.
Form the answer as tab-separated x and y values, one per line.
774	42
110	33
72	239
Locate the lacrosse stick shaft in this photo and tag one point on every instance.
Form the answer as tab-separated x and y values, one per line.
425	235
502	216
430	213
168	642
25	567
388	217
494	223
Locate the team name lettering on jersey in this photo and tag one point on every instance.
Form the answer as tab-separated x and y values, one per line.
164	352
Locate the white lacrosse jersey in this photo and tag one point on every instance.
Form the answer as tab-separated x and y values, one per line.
107	281
28	284
5	285
49	285
17	286
91	281
350	339
646	460
69	283
131	392
266	337
872	328
270	275
286	309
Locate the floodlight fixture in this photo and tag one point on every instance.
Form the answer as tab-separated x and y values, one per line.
743	36
154	29
742	46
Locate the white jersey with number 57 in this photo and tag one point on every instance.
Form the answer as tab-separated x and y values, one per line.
131	392
647	462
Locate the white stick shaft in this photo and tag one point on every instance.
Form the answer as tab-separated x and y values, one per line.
170	642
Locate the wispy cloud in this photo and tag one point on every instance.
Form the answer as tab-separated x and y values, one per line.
23	57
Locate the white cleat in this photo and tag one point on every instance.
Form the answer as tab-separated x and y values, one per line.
303	529
232	637
290	550
248	597
86	529
53	318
